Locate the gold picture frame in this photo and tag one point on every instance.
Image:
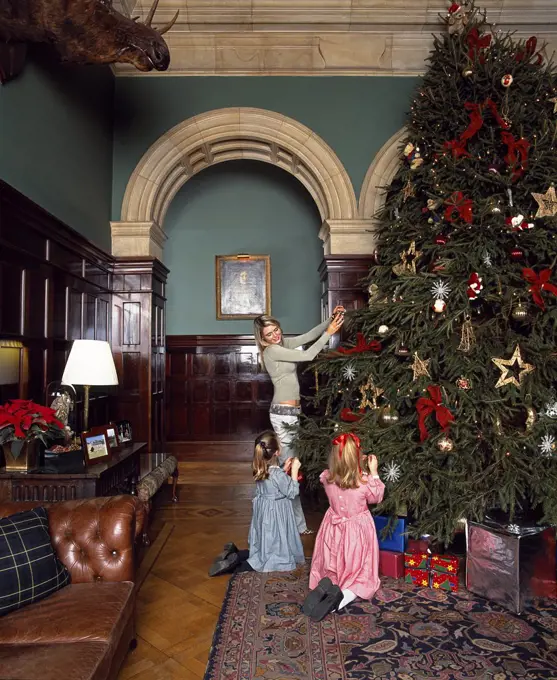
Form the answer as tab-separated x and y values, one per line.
243	286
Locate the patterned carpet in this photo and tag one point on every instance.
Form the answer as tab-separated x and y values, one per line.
405	633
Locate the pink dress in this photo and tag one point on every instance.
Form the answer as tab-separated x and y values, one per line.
346	548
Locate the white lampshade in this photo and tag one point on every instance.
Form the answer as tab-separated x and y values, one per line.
90	363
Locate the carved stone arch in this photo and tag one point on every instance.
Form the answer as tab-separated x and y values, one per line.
215	137
379	175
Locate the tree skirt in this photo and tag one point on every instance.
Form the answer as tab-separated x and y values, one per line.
405	633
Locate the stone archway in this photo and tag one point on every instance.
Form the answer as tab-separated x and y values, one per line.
379	175
230	134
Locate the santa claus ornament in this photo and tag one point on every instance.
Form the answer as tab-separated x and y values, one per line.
518	223
475	286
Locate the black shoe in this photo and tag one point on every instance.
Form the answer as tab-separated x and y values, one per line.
328	604
228	549
224	566
316	595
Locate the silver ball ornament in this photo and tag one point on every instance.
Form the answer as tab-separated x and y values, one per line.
383	330
445	444
388	416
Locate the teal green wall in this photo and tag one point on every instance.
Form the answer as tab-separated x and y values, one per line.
242	207
237	208
56	142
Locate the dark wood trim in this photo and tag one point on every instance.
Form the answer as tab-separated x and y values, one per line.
176	342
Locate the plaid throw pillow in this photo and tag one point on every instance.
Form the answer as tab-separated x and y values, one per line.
29	567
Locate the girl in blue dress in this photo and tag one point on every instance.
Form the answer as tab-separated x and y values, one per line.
274	540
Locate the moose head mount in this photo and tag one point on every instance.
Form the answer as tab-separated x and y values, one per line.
82	31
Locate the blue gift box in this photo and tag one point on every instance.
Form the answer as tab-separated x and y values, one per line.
396	540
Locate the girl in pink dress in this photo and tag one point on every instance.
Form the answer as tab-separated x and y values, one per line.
345	562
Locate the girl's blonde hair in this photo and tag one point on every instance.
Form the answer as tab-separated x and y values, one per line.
345	462
259	324
266	448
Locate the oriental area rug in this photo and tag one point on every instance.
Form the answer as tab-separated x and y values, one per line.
404	633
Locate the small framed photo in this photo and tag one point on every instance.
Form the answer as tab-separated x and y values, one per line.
113	439
96	445
243	286
124	432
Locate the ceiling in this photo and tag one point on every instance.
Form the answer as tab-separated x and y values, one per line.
318	37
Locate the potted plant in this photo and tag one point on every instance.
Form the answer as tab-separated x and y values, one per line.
23	424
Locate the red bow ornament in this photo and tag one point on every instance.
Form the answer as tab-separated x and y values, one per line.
539	282
529	51
517	154
477	43
361	346
349	416
460	205
425	407
475	286
518	223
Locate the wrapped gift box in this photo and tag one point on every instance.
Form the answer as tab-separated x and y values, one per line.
394	541
391	564
418	577
444	564
442	581
418	545
416	560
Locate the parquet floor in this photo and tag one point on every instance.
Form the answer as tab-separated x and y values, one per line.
178	604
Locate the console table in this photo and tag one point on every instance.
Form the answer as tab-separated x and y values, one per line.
118	475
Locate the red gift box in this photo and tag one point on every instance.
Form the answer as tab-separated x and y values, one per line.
444	564
418	577
391	564
418	545
416	560
441	581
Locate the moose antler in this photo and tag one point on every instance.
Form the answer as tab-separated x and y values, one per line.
167	26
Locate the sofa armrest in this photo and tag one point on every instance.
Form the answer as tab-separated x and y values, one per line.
93	537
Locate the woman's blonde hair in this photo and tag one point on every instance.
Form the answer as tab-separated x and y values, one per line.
266	448
345	462
259	324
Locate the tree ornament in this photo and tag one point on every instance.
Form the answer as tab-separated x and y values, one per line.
539	282
467	336
387	416
348	416
316	374
408	191
457	19
439	306
426	406
486	259
463	383
493	205
518	223
507	80
374	393
467	72
530	418
413	156
408	261
420	367
362	345
475	286
547	203
349	372
550	410
391	472
440	289
505	366
547	445
554	102
516	254
441	240
402	350
520	312
445	444
383	330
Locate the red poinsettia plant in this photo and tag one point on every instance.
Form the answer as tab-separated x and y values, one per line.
22	419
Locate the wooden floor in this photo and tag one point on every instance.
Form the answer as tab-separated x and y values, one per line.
178	604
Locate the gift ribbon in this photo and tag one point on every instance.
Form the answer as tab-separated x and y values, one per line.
517	154
361	346
461	205
539	282
426	407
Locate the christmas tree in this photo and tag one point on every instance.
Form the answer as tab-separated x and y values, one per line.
448	377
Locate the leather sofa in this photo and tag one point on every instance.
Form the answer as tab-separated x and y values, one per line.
84	630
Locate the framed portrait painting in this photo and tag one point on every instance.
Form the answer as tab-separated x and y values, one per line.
243	286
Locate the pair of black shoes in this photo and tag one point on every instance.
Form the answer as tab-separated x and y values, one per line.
322	600
226	561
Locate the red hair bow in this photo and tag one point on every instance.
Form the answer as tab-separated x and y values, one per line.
341	440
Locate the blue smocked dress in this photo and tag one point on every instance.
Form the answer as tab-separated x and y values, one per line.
274	541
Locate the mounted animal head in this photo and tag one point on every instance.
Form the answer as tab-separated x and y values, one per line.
87	31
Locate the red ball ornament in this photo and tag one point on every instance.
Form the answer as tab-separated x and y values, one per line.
517	254
440	240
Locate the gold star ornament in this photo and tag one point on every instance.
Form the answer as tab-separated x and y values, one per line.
420	367
408	261
371	398
506	366
547	203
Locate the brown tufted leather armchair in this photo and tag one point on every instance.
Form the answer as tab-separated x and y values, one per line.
84	630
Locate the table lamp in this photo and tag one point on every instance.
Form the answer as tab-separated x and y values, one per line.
90	363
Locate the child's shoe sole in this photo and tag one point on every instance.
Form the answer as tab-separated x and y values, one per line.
316	595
